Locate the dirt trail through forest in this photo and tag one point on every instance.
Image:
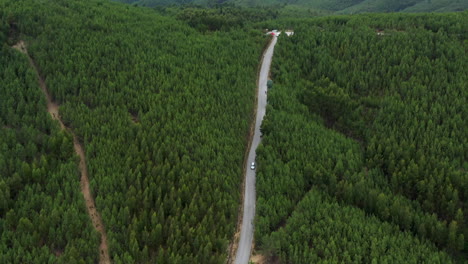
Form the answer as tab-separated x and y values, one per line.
52	108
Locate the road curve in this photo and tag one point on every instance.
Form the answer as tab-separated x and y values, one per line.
246	237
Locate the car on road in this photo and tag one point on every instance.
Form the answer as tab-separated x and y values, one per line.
252	166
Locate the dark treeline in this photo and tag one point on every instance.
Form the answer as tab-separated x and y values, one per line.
340	233
163	112
320	6
370	110
222	17
43	216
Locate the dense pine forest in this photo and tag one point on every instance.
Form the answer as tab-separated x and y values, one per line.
163	112
42	212
364	154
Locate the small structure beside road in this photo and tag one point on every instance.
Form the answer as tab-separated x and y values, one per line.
276	33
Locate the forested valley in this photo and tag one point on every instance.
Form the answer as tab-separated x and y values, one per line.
163	111
364	155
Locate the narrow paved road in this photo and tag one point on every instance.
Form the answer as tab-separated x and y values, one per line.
52	108
246	236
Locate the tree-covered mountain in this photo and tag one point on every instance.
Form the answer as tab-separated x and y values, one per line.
330	6
407	6
364	153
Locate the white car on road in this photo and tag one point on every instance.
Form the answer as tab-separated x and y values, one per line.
252	166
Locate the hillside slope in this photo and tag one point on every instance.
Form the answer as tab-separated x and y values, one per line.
412	6
43	216
365	134
163	113
338	6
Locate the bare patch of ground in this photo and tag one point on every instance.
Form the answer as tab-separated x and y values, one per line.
53	110
21	47
258	258
134	119
235	241
58	252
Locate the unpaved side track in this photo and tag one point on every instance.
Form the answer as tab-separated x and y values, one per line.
52	108
246	237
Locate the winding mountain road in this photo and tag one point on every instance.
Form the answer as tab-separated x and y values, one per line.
246	237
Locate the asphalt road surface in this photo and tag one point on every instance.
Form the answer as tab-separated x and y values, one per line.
246	237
